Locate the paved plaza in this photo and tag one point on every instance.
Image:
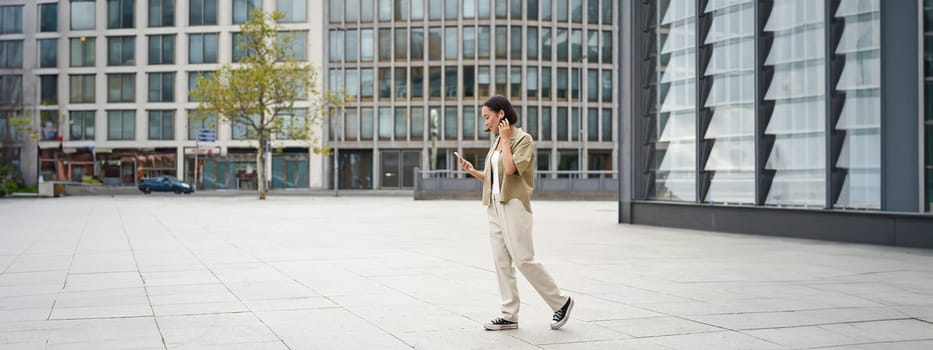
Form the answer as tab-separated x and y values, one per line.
314	272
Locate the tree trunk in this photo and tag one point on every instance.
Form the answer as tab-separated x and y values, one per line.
261	169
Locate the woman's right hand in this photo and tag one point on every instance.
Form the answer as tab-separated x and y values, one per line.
466	165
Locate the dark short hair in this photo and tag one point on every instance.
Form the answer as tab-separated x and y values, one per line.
500	103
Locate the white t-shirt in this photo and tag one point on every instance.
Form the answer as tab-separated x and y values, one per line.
495	172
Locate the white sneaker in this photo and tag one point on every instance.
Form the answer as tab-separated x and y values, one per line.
500	324
561	316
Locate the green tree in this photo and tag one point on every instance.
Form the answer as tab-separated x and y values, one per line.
258	92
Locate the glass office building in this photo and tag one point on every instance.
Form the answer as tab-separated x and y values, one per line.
788	117
419	71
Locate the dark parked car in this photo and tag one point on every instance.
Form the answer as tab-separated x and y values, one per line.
164	184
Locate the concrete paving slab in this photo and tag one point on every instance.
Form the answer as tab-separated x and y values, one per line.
209	272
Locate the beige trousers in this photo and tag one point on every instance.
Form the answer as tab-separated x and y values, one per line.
510	237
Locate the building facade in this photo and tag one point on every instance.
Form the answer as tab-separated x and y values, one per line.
804	118
106	83
420	69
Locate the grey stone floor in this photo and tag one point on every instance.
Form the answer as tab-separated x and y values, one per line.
190	272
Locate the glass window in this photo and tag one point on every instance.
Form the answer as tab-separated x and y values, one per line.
546	122
469	123
401	124
562	83
336	43
607	47
531	122
208	122
592	11
592	46
860	116
162	125
576	10
48	17
366	124
576	129
607	125
48	53
386	123
469	80
335	79
469	8
450	82
483	8
450	123
516	82
674	141
562	10
385	10
568	160
82	52
48	85
532	79
120	13
575	84
435	76
515	9
240	42
401	83
385	44
450	10
368	44
121	87
298	47
417	123
202	12
562	121
607	12
352	83
450	43
352	129
532	43
161	87
161	13
502	79
417	44
202	48
546	10
797	90
484	44
592	85
483	80
121	125
401	10
296	11
82	14
577	47
516	43
417	82
546	44
11	19
434	44
434	10
546	83
607	86
562	48
417	10
502	10
193	81
502	42
121	51
81	88
48	124
592	124
242	9
81	125
469	43
162	49
11	54
401	44
336	11
385	83
366	84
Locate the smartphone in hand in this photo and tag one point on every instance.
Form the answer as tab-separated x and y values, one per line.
458	155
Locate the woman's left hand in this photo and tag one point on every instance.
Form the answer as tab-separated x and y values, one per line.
505	130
